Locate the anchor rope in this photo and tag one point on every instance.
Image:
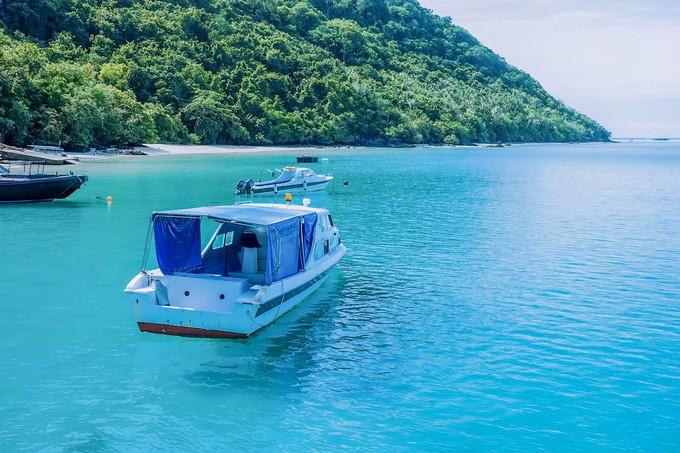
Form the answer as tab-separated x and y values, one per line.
69	187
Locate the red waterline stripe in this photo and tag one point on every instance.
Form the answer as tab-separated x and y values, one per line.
187	331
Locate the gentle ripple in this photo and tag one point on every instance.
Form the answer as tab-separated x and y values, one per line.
515	299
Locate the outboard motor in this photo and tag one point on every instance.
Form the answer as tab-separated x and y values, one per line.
245	187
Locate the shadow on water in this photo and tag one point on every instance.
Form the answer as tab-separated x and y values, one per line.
279	355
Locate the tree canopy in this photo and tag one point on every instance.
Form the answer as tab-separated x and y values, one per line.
124	72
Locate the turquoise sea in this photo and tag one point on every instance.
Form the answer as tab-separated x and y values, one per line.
516	299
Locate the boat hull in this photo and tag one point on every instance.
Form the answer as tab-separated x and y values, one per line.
290	188
181	331
167	320
38	188
230	321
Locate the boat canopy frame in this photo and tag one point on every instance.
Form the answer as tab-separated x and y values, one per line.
177	235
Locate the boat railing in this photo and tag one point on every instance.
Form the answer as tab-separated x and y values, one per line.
28	168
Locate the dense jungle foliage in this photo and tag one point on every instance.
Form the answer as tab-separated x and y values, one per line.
101	72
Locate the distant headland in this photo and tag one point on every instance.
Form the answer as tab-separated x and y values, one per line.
273	72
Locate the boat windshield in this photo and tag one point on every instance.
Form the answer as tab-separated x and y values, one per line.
286	175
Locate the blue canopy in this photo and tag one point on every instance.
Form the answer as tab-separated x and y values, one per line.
308	234
178	243
290	234
284	251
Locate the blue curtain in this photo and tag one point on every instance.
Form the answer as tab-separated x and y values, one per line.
178	243
283	250
308	234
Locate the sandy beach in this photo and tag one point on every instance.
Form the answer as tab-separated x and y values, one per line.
157	149
162	149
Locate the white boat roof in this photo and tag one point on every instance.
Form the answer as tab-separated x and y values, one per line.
251	213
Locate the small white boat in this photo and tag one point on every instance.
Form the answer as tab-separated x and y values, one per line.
261	261
291	179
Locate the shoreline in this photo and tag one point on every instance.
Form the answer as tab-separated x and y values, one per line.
159	149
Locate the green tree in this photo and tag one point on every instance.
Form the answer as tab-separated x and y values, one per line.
213	121
94	72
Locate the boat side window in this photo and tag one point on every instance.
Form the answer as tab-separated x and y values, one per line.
218	243
223	240
321	248
330	220
318	250
325	224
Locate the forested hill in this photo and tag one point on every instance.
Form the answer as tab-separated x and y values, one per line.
100	72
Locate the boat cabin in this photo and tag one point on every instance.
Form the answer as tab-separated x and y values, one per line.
290	174
260	243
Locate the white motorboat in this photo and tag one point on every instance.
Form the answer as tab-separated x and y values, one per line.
291	179
260	262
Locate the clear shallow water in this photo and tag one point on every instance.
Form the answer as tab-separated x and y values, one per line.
509	299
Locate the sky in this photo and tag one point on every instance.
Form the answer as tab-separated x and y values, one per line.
617	61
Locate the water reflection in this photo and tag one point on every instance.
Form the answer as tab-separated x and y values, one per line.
278	356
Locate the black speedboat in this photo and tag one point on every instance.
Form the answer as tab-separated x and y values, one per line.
27	187
307	159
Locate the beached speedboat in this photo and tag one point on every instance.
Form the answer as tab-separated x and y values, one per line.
261	261
291	179
29	187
